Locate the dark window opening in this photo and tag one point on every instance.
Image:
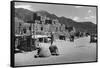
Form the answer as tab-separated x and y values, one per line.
41	28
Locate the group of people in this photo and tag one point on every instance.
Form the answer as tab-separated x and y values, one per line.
46	52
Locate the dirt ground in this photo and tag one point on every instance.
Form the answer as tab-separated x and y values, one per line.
78	51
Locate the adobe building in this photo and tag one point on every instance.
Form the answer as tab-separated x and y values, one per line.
42	25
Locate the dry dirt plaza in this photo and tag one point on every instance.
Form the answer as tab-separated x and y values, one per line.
81	50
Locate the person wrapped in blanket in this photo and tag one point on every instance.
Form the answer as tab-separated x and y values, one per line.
42	50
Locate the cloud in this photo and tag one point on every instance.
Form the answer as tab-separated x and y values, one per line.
78	6
90	17
76	18
89	11
24	6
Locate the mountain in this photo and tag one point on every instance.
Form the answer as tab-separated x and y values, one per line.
44	13
80	26
23	14
27	15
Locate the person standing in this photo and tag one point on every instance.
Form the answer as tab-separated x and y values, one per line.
52	38
53	48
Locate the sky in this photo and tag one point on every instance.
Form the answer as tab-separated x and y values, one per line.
77	13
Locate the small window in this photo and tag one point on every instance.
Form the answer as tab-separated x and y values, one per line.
41	28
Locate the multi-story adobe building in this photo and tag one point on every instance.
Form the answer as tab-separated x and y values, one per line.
42	25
